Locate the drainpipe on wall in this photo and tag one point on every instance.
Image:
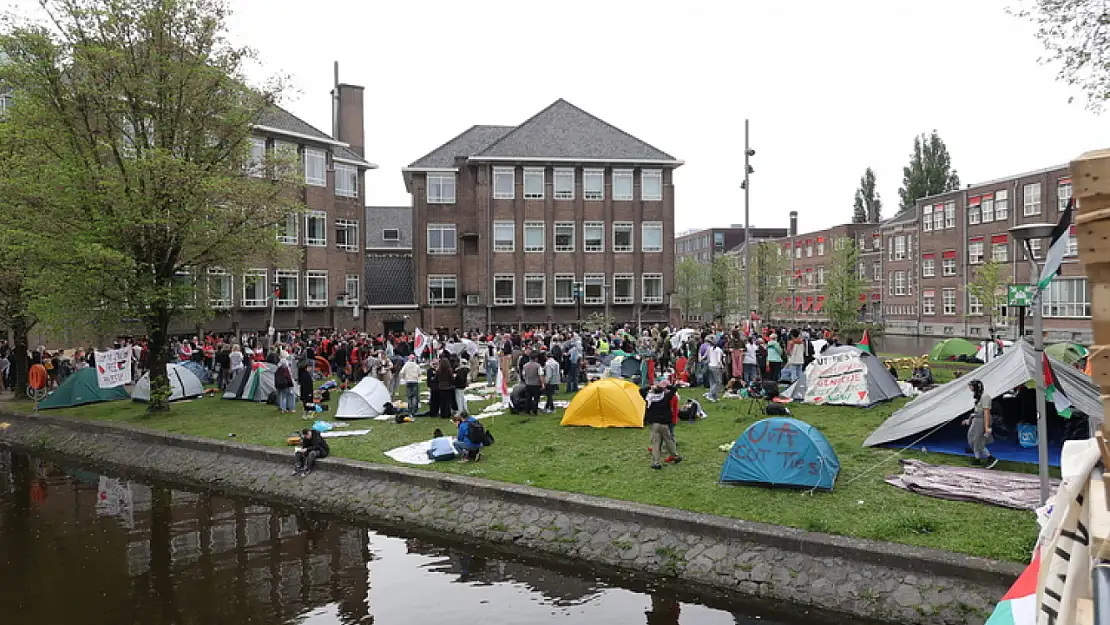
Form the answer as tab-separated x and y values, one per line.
488	172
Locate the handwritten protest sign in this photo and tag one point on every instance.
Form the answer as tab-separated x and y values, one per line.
839	379
113	368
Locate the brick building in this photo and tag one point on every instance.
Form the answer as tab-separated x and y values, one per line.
506	219
390	295
809	258
702	246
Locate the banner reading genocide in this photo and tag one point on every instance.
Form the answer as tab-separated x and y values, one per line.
113	368
838	379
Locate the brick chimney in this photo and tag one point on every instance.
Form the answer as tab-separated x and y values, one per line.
348	123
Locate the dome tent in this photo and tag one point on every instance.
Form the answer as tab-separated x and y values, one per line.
81	388
255	383
845	376
366	400
782	452
606	403
952	349
183	384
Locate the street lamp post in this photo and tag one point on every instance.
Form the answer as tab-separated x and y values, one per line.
271	333
748	153
1025	234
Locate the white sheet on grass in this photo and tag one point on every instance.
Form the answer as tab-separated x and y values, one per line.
345	433
414	453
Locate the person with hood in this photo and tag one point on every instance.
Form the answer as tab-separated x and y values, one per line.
659	414
313	447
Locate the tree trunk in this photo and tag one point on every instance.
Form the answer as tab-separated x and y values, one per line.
157	358
21	362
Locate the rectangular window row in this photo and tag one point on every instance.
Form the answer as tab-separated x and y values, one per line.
316	233
314	162
256	290
564	184
443	289
564	237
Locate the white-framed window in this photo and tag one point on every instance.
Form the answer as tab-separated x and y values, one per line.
593	184
821	247
1035	245
443	290
315	167
652	292
876	243
5	101
256	165
1002	205
900	248
392	235
938	217
564	236
651	185
316	288
809	249
948	299
975	252
1063	194
346	235
504	289
1000	249
593	236
821	274
861	271
564	183
1073	244
441	188
287	231
877	271
890	283
973	214
504	236
316	229
221	292
622	236
798	251
346	180
504	183
533	183
948	266
986	209
593	288
254	288
1031	199
651	236
564	288
533	236
950	214
927	218
186	278
351	288
442	239
809	276
622	184
974	306
287	280
622	288
286	157
928	268
534	288
1066	297
929	303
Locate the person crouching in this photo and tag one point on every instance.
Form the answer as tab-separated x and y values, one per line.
470	437
312	448
659	415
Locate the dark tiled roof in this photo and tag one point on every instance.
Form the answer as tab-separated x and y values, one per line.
277	117
379	218
344	153
470	142
389	280
563	130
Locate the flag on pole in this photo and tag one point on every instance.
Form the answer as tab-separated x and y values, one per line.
1019	605
1057	248
1053	392
865	342
419	342
503	387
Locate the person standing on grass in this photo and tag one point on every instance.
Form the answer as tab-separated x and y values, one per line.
532	375
445	382
658	413
979	426
551	372
715	360
796	355
283	382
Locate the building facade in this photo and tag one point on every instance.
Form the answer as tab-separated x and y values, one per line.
508	219
808	262
703	246
390	297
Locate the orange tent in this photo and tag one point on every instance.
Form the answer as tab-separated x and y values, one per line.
323	366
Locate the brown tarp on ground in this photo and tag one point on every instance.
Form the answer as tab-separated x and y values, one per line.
1020	491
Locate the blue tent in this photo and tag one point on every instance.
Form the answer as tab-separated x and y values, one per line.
782	452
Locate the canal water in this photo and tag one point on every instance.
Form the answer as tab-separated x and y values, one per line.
79	547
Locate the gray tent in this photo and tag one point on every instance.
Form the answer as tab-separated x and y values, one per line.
881	386
1017	366
255	382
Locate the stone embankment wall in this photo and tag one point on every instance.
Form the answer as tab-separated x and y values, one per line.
856	577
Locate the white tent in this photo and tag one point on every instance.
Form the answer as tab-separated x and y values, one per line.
680	337
365	401
844	376
184	384
988	350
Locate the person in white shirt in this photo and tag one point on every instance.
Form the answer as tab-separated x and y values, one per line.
751	361
236	358
716	358
410	376
441	449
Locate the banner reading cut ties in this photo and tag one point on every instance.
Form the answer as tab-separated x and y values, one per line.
838	379
113	368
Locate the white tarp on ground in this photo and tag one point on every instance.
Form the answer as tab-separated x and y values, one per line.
1017	365
415	453
844	376
365	401
183	384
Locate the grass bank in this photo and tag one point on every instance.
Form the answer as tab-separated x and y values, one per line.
615	463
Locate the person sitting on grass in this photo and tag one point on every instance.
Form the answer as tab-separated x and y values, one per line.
441	449
658	413
470	437
312	448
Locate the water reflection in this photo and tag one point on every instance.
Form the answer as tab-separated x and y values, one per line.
79	547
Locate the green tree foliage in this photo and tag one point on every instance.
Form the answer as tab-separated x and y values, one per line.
929	172
723	297
691	282
989	287
868	207
1077	40
133	120
770	266
843	286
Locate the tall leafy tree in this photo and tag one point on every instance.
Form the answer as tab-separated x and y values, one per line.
1077	40
769	267
691	282
137	117
723	296
929	171
843	286
868	207
989	287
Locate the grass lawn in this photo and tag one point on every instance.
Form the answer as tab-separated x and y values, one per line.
615	463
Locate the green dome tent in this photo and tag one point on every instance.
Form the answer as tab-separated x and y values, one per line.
81	388
952	349
1067	353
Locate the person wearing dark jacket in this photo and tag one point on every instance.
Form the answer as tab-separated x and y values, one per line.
312	448
304	380
659	414
445	379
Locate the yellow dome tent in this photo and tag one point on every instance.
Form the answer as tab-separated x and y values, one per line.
607	403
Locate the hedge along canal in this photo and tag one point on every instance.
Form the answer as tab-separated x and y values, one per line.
855	577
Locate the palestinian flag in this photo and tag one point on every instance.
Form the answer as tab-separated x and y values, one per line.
503	388
1053	392
1019	605
865	343
1057	247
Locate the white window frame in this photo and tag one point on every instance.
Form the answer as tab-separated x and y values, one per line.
929	304
250	276
1072	249
345	174
973	214
503	172
622	175
564	277
974	306
938	217
928	268
535	225
949	214
396	234
631	297
655	226
443	250
948	302
588	225
221	301
1000	252
927	218
592	178
283	235
975	252
256	165
1053	306
877	271
945	265
504	301
986	210
821	273
900	247
350	227
630	228
821	247
316	242
288	274
314	158
309	300
437	186
565	225
443	281
563	181
501	225
593	279
1036	246
1063	194
535	277
1002	205
809	250
655	175
645	298
352	286
900	283
530	175
1031	199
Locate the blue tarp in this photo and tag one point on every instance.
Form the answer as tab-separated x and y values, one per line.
952	439
782	452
